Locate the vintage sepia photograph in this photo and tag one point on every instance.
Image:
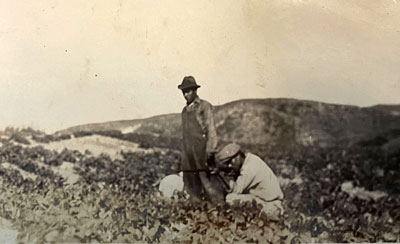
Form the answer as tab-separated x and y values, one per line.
248	121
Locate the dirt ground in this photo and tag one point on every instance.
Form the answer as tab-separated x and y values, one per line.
96	144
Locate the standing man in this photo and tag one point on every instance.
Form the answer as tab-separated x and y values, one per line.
199	144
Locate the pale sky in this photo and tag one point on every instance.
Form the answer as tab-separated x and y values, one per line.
65	63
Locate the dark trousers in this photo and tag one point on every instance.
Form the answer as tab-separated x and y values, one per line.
201	185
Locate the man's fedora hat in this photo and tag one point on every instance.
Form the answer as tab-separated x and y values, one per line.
188	83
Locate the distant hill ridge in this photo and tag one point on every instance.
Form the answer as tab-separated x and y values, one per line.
274	122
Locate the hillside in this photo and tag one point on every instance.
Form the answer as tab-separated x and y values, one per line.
393	109
275	122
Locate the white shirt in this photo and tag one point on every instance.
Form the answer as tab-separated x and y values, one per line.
256	178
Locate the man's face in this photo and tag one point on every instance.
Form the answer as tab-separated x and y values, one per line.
190	95
232	167
236	163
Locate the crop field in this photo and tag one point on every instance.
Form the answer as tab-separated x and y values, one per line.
56	195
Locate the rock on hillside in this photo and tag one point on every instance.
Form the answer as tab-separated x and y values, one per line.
273	122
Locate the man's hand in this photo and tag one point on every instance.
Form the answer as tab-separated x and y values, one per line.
231	185
211	157
210	163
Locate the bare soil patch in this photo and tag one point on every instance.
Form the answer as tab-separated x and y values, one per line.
96	144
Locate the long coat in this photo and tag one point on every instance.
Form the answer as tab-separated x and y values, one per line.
199	138
199	134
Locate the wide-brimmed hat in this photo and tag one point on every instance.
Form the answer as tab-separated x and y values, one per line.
188	83
227	153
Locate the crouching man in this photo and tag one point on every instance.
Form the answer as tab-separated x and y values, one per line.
254	179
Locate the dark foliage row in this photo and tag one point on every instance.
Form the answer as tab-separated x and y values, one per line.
16	154
21	136
134	172
49	138
36	160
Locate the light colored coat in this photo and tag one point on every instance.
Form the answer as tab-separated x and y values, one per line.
256	178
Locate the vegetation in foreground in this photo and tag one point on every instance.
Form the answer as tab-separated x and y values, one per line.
116	200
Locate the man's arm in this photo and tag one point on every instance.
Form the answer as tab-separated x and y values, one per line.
212	139
243	181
